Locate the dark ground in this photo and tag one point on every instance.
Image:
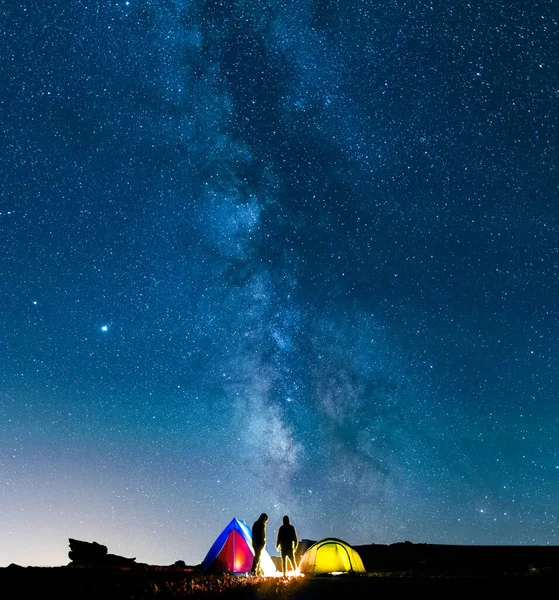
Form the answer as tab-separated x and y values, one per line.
65	583
410	571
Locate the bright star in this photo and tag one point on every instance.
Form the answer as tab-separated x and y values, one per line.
105	328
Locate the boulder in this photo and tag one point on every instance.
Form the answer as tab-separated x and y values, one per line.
92	554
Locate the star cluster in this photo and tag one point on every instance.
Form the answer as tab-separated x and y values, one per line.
294	257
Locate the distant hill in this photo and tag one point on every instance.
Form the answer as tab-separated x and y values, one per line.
443	559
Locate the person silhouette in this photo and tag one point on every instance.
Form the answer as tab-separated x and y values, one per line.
258	542
287	542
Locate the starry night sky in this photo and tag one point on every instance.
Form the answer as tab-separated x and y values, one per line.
294	257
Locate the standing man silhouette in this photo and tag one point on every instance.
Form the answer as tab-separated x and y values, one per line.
258	542
287	542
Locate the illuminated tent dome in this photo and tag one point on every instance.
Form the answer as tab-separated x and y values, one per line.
232	551
330	555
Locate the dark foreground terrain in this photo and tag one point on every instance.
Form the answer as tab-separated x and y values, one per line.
64	583
410	571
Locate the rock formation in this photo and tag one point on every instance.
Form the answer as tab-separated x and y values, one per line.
92	554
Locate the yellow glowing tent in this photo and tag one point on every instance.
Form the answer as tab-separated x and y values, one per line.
330	555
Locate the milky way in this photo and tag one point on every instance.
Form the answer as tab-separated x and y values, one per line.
294	257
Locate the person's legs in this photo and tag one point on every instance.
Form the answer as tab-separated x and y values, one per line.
256	561
291	560
287	556
284	563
